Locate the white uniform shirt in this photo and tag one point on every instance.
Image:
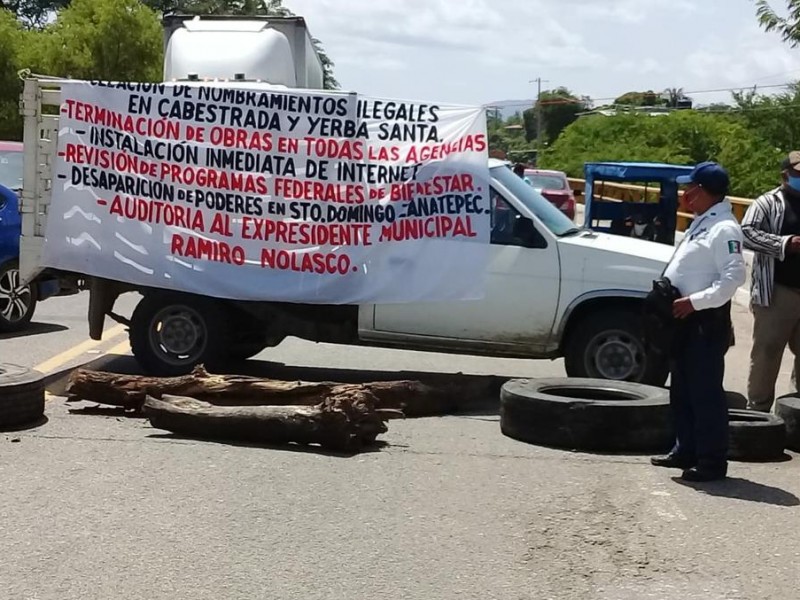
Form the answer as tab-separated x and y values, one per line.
708	266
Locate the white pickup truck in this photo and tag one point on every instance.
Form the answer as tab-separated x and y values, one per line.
553	289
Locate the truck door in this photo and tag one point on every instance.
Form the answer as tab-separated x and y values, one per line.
518	310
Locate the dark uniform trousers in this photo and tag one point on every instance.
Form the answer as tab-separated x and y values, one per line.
697	396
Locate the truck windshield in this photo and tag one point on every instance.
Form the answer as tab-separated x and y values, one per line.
548	214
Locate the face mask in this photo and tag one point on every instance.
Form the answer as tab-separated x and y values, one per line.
638	229
794	183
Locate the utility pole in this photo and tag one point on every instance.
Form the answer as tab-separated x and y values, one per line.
538	107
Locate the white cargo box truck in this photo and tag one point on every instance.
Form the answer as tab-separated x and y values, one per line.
278	51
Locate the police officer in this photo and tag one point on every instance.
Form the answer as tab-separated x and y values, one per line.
707	268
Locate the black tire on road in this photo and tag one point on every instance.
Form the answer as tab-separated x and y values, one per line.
609	344
587	414
755	436
788	409
21	396
171	333
17	302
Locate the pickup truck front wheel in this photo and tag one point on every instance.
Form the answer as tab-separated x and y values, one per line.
608	345
170	334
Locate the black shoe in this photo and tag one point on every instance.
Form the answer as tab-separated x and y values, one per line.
704	474
671	461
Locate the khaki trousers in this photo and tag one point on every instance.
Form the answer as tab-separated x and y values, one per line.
774	327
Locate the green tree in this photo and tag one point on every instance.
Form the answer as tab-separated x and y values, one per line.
33	13
682	137
716	107
776	117
103	39
787	26
559	108
506	136
648	98
11	37
672	96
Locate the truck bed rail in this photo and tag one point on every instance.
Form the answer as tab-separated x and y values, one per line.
41	100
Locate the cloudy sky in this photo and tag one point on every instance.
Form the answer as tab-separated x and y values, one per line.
481	51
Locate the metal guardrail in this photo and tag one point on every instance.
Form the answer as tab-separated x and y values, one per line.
624	192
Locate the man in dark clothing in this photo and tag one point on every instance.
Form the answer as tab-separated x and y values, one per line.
706	270
771	228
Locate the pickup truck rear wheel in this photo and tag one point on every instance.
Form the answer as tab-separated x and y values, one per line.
17	301
608	345
170	334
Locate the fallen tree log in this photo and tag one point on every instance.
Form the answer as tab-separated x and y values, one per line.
413	398
345	422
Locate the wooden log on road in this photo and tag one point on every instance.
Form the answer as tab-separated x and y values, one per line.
413	398
344	422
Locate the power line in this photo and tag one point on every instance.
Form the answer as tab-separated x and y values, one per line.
744	87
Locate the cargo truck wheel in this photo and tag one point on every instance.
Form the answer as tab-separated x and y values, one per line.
17	301
172	333
609	344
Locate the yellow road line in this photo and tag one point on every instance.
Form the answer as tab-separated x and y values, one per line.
59	360
121	348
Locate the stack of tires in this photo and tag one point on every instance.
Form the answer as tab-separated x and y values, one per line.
21	397
599	415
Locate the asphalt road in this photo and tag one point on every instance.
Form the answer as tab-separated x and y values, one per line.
106	507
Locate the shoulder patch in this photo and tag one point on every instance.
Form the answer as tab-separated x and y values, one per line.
734	247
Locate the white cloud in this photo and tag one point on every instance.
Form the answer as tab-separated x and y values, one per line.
411	23
637	66
492	34
480	51
756	61
627	11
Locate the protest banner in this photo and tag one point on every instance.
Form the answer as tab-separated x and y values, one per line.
262	193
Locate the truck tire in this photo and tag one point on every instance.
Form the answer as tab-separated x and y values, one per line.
587	414
17	302
609	344
171	333
21	396
755	436
788	408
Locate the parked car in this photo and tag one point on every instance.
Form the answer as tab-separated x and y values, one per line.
554	186
17	301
